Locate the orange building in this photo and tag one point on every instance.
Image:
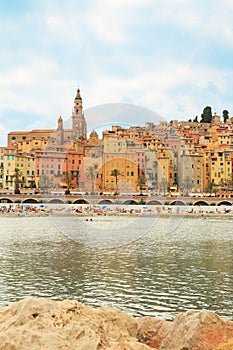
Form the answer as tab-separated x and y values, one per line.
127	166
75	167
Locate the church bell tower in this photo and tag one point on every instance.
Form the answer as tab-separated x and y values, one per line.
79	125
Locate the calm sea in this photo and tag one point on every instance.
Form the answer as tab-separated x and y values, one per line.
146	268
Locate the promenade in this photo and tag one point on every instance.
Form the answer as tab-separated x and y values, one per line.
110	199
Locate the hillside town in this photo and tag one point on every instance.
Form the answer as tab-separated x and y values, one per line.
177	157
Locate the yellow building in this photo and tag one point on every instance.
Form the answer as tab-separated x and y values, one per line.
127	157
9	167
2	150
167	169
114	145
221	166
26	164
15	137
127	166
28	146
191	171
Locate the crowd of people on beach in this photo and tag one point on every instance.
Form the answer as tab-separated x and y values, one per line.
88	210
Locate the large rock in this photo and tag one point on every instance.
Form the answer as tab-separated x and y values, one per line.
227	345
152	331
197	330
58	325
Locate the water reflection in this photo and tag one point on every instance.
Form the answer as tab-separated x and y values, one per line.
158	275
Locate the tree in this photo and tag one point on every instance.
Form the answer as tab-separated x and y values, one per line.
45	182
76	176
230	182
187	185
225	115
67	177
163	186
115	173
141	182
91	174
206	116
209	187
17	175
227	185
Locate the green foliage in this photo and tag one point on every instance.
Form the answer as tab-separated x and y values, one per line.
141	182
45	182
142	201
187	185
225	115
17	175
206	116
163	186
91	174
67	177
210	188
116	173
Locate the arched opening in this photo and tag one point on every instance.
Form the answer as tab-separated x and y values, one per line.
201	203
154	203
105	201
56	201
177	203
224	203
81	201
5	200
130	202
30	200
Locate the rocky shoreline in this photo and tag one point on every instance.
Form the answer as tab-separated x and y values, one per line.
39	323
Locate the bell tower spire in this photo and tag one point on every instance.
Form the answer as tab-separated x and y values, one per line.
79	125
78	103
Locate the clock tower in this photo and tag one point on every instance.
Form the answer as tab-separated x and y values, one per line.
79	125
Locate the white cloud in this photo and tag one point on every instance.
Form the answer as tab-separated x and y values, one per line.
110	21
209	20
96	45
172	91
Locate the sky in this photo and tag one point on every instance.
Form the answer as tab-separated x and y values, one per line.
171	58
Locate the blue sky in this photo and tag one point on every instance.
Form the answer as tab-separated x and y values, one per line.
173	57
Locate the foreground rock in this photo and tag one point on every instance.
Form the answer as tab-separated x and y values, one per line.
46	324
57	325
191	330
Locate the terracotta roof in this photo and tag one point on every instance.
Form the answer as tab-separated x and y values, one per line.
43	130
18	132
11	147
